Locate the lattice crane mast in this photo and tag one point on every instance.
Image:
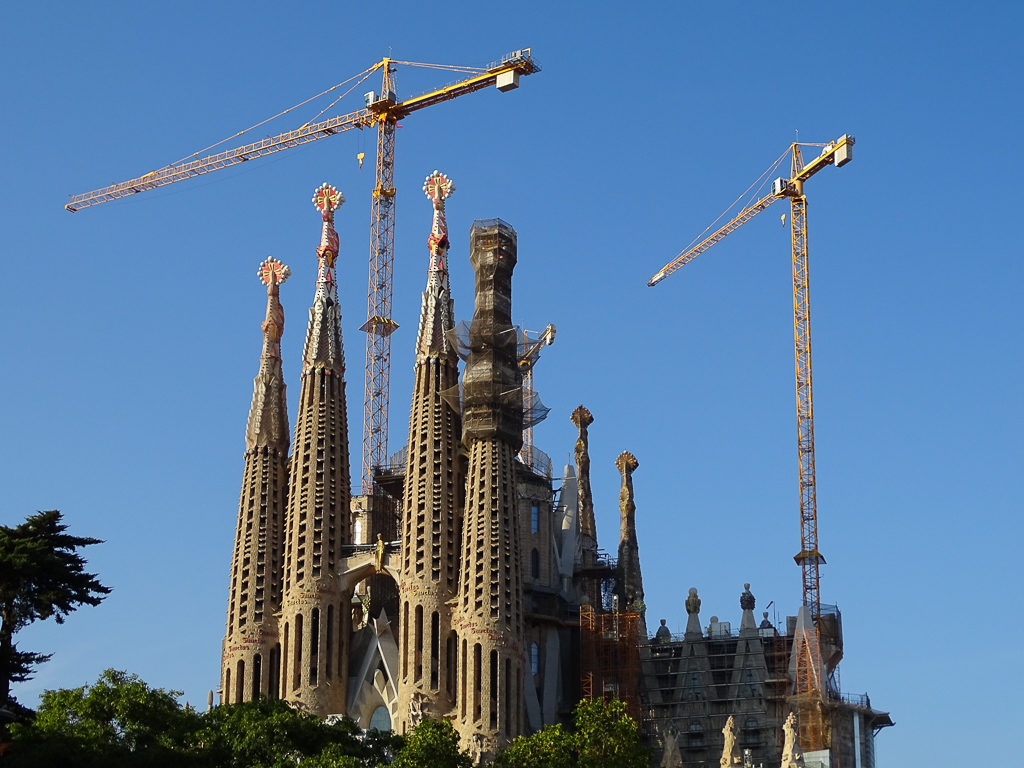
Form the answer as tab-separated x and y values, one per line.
382	110
809	687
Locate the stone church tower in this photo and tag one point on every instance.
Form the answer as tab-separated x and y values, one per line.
489	619
314	622
251	656
433	493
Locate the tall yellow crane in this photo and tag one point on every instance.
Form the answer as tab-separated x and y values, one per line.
382	110
814	733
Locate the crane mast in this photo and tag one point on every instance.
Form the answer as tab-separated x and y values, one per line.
810	695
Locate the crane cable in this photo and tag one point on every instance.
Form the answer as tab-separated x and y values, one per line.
757	183
364	74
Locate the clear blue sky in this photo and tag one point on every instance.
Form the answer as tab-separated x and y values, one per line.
132	329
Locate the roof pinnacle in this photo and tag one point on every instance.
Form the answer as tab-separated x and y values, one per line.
327	200
437	311
323	339
272	273
438	188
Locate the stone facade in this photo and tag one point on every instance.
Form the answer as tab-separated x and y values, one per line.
251	655
432	495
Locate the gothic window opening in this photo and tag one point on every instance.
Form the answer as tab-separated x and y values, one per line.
314	645
435	649
418	644
328	651
297	666
257	669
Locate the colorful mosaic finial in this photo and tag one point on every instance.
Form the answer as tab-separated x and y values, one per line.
327	198
273	272
438	188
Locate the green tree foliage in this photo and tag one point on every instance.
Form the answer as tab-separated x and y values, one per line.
42	576
120	722
603	736
432	744
607	737
551	747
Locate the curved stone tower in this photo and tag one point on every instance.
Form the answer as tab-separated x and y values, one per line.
489	620
630	580
432	497
314	623
251	653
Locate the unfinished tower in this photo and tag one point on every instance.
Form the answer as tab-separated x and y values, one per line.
630	580
432	497
314	622
251	654
489	621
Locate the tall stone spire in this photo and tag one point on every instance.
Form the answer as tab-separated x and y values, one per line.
489	621
583	418
314	622
432	497
251	654
630	580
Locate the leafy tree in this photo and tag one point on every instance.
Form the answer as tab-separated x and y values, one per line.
603	736
118	721
551	747
607	737
41	576
432	743
268	733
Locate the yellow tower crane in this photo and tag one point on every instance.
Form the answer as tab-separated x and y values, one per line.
382	110
810	693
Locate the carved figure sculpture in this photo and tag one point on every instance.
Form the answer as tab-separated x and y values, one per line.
747	601
477	748
692	602
730	751
418	706
378	554
792	756
670	756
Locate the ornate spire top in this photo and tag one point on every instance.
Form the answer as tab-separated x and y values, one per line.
323	339
268	414
437	311
626	462
327	200
582	418
630	578
438	188
272	273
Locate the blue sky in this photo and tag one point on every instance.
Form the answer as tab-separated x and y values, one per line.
132	329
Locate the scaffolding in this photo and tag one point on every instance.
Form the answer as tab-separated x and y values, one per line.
694	685
610	658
